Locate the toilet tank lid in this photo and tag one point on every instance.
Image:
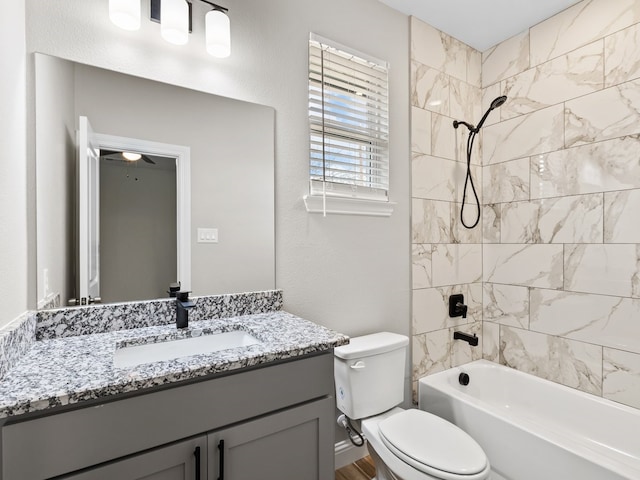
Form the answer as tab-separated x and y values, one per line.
373	344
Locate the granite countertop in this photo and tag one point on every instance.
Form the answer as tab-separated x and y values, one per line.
69	370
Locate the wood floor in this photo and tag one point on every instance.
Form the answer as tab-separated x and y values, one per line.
363	469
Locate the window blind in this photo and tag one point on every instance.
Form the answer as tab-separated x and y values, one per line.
349	123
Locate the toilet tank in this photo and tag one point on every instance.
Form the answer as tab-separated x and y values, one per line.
369	374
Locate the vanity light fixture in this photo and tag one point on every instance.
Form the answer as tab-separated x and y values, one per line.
218	31
125	13
175	18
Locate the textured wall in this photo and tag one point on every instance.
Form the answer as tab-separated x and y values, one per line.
345	272
13	165
55	151
561	257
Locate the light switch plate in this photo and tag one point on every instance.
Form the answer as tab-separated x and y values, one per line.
207	235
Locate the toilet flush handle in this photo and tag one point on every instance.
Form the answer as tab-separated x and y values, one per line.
359	365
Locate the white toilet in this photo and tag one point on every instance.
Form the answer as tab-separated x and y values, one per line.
404	444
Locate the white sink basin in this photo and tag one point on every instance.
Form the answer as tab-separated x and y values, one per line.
183	347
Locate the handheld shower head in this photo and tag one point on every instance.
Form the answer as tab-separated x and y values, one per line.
497	102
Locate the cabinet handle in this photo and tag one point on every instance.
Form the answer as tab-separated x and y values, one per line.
221	457
196	453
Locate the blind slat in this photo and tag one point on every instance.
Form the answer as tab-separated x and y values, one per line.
341	85
317	55
349	167
374	154
337	106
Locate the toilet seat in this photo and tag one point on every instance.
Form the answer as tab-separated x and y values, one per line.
432	445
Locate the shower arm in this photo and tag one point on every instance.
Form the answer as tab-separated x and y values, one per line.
457	123
497	102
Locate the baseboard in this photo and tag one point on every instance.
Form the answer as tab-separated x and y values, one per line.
347	453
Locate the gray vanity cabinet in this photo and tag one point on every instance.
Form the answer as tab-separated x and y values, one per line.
292	444
173	462
276	422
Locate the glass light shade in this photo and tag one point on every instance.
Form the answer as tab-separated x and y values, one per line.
125	13
174	21
218	34
130	156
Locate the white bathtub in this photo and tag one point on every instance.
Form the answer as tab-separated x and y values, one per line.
534	429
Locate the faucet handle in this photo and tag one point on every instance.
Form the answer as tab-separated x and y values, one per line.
174	288
462	309
182	296
457	307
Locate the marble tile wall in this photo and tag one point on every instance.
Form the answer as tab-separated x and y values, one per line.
447	258
561	194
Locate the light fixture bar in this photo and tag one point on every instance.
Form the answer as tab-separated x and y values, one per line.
178	24
155	11
215	6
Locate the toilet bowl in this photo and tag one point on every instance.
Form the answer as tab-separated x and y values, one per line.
416	445
404	444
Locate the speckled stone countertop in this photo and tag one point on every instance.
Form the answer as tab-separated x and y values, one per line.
68	370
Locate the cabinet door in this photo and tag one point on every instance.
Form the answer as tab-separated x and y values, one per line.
178	461
296	443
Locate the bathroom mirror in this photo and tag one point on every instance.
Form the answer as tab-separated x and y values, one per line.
231	145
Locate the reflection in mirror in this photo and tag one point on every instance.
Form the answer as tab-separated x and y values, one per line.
138	205
232	167
134	217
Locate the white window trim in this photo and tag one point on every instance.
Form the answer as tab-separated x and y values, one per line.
340	202
327	205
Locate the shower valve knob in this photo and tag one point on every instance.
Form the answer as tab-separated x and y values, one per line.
457	308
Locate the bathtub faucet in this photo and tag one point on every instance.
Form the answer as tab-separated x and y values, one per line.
471	340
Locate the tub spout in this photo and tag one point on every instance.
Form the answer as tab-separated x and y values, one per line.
470	339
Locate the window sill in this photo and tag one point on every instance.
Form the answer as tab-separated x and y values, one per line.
348	206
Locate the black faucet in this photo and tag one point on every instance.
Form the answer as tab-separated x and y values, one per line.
471	340
174	288
456	306
183	304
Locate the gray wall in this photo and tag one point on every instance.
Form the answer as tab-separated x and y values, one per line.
137	231
13	166
348	273
55	183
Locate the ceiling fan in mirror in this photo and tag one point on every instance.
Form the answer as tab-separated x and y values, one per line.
120	156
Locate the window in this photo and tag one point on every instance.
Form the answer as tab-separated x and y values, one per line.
348	129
